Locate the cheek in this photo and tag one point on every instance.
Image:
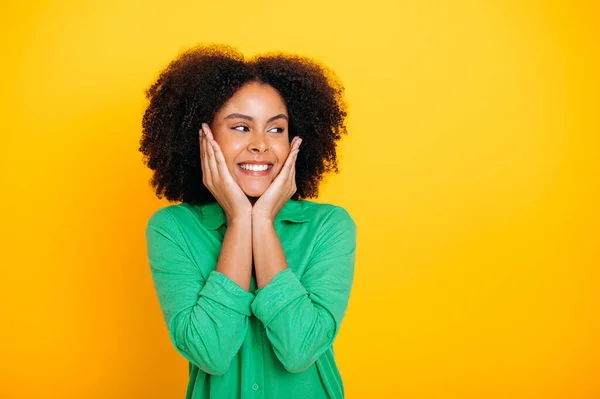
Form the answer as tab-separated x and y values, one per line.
230	150
282	151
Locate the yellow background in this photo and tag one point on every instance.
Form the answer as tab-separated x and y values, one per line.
471	169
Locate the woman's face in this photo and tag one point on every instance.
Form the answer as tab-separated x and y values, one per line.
252	130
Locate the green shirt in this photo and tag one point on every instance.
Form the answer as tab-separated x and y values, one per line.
272	342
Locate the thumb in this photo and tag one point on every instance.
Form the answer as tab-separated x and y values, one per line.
206	128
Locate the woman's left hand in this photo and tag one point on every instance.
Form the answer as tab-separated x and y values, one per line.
280	190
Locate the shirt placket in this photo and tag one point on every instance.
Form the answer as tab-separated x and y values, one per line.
258	383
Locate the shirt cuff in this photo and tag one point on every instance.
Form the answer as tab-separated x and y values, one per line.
227	292
277	294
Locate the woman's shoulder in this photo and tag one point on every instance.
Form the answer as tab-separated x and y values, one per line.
323	212
173	214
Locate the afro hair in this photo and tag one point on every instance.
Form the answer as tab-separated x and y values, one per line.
193	87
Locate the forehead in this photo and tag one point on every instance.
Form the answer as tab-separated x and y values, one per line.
255	99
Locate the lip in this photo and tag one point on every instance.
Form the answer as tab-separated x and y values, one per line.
255	173
256	163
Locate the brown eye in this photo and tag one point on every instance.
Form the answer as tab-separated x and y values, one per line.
236	128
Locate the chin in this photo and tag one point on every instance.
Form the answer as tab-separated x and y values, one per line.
254	191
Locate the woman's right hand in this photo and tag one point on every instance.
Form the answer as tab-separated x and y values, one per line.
217	178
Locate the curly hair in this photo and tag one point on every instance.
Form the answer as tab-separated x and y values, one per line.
193	87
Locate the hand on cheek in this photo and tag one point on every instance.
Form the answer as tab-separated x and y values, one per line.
217	178
281	189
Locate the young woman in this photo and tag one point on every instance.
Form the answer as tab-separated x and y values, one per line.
252	278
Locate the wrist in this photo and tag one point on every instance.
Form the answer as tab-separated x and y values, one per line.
239	221
262	220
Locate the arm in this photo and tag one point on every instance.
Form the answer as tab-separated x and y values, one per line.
207	319
235	259
302	316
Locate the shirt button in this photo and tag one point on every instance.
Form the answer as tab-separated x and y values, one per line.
330	334
182	347
255	387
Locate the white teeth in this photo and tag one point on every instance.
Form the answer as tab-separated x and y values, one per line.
255	168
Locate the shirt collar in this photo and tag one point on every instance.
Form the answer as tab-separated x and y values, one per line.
213	215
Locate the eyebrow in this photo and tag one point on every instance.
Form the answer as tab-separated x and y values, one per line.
242	116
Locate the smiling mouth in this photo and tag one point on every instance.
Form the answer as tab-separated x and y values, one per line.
255	170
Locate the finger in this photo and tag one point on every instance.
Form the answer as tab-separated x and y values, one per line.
295	143
211	155
292	173
294	188
201	146
298	142
293	167
220	158
204	160
212	173
289	162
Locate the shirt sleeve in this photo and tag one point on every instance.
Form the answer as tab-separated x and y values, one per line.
302	316
207	319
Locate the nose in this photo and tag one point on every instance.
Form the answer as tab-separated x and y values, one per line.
258	143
